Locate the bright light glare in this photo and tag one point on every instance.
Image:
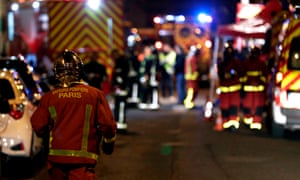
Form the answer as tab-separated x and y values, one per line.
15	7
180	18
208	44
158	44
36	5
204	18
157	20
94	4
170	18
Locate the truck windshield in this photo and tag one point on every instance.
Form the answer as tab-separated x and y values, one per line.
294	55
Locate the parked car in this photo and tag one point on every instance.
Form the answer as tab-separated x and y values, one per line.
19	95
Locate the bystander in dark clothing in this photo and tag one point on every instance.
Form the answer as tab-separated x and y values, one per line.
179	74
120	79
95	71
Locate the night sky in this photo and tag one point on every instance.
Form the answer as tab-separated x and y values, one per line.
141	12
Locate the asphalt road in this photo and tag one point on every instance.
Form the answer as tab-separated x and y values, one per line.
176	144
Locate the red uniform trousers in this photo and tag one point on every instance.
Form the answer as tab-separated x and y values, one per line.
230	105
71	172
253	105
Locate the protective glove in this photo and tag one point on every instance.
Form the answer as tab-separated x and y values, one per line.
108	145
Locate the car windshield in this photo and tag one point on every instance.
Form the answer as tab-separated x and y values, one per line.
6	91
294	56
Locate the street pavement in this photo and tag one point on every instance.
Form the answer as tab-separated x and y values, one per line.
173	143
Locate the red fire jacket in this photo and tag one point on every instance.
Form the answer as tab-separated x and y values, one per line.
256	75
71	115
230	74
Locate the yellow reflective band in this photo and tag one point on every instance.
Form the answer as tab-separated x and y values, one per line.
86	128
110	140
254	73
259	88
234	88
257	126
73	153
53	116
243	79
80	153
52	112
231	123
188	100
191	76
248	120
263	79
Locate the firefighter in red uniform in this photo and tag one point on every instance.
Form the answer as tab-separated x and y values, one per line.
230	73
191	75
78	120
254	90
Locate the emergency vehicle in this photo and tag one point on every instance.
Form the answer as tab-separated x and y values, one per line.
188	31
286	91
83	26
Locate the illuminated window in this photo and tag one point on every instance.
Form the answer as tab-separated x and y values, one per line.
294	55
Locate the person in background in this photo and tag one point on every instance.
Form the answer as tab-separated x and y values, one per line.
120	83
191	75
167	59
254	89
78	120
179	74
96	72
230	72
148	82
133	90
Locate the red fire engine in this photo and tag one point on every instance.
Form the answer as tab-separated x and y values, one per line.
82	26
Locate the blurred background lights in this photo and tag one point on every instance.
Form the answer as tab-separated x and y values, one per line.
170	18
14	7
157	20
36	5
204	18
94	4
180	18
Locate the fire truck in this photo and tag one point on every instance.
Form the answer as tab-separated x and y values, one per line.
186	32
284	84
51	26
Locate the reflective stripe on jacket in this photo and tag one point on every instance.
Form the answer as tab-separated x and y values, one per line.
71	115
83	152
233	88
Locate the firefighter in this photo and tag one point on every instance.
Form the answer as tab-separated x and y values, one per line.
76	117
95	71
120	85
191	76
148	82
230	73
254	90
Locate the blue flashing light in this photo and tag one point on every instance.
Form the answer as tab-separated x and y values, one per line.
204	18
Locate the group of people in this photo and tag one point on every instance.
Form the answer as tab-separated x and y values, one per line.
172	71
243	87
78	105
